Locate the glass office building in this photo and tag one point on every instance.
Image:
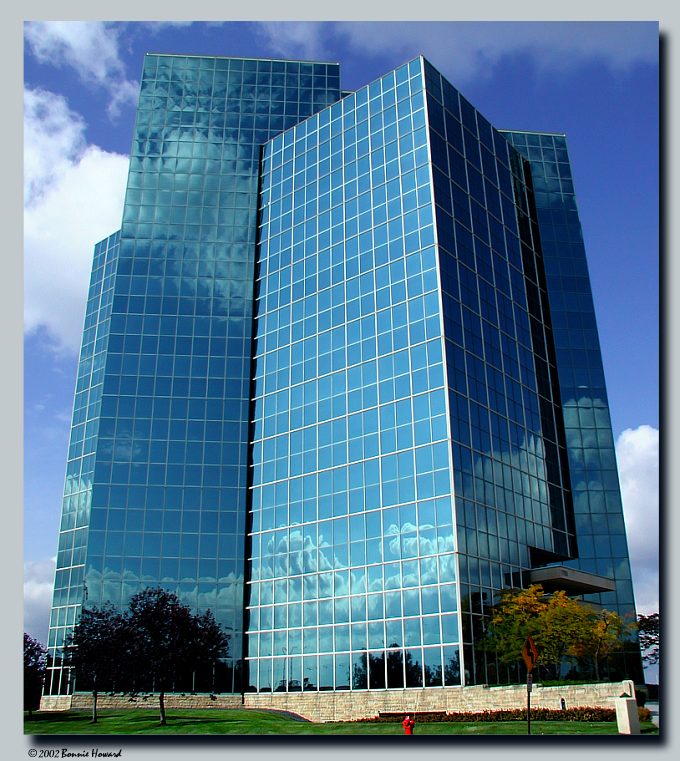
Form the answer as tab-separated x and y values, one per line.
164	495
69	582
340	379
602	546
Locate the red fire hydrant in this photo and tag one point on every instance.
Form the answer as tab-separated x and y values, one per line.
408	725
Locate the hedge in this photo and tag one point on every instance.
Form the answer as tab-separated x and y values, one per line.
584	713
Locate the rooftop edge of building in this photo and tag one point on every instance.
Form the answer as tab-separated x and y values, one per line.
534	132
240	58
348	94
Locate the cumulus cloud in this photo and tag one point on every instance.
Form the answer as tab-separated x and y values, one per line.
158	26
91	49
637	452
307	39
73	197
38	585
471	49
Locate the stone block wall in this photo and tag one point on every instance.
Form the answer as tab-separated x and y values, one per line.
55	702
83	700
347	705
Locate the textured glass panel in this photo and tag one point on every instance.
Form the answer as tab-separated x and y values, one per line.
187	253
421	322
578	358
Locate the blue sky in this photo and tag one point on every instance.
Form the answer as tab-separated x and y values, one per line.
595	81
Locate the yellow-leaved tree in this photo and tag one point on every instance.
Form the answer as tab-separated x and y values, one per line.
561	627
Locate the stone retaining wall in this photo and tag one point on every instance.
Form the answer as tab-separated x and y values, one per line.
172	700
55	702
345	706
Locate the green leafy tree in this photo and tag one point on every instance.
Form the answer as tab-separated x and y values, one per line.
153	641
560	626
607	634
165	636
210	640
514	618
97	649
648	633
35	661
564	626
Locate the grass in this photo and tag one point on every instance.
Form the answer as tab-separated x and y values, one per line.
250	722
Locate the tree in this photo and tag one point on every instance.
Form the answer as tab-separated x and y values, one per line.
514	618
560	625
360	673
97	650
648	633
165	636
563	627
211	642
608	633
155	639
35	661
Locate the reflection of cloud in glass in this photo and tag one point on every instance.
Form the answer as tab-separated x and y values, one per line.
77	483
519	469
119	586
315	568
122	449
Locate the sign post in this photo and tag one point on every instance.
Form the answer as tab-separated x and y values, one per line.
529	685
530	656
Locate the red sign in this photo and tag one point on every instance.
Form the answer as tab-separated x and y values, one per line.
530	654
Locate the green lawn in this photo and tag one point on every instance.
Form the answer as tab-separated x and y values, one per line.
241	722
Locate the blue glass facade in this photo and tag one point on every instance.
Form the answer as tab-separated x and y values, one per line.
353	580
69	582
337	390
402	337
512	496
601	534
170	454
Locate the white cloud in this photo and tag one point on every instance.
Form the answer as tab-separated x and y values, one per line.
53	137
306	39
637	452
73	198
158	26
38	586
90	48
471	49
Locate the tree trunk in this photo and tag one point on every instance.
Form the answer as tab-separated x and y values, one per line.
597	665
161	703
94	706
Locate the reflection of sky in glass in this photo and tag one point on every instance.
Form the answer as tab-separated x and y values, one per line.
169	487
507	449
592	460
75	517
402	339
352	526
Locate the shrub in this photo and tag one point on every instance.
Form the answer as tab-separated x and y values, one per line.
582	713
